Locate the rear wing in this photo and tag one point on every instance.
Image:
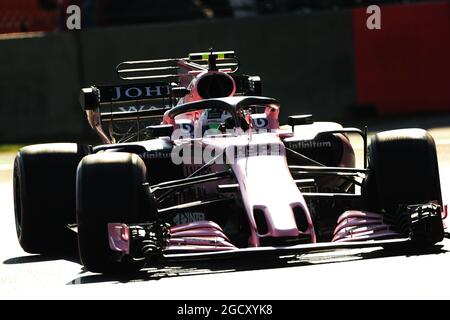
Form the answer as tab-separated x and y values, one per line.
156	86
171	69
182	70
127	102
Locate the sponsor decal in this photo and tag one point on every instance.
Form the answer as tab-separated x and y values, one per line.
155	155
187	217
139	92
309	144
137	108
260	122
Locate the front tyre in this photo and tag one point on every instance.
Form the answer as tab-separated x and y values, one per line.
404	171
109	189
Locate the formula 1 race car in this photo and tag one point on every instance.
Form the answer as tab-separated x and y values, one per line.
194	165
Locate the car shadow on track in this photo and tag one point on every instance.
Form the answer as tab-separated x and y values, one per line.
41	258
176	269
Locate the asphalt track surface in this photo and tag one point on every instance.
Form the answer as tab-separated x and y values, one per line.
346	274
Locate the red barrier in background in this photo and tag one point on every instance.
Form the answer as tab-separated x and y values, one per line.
405	66
25	16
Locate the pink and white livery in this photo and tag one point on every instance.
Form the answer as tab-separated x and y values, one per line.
194	164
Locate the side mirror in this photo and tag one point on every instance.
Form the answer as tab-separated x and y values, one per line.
179	92
255	85
161	130
90	98
299	120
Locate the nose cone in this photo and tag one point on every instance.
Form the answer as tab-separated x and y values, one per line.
269	191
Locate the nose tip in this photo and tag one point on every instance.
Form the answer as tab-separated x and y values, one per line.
283	221
279	221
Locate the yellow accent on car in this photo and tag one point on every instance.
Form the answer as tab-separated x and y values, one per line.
204	56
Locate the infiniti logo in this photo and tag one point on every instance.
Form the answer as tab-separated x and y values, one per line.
309	144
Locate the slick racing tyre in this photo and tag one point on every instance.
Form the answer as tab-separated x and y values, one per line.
403	170
44	196
109	189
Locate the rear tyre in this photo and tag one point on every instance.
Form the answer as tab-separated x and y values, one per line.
403	170
109	189
44	196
